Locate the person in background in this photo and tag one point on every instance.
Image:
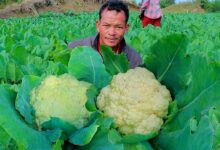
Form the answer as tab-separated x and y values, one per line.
112	26
150	13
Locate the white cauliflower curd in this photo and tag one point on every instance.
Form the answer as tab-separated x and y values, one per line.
62	97
136	101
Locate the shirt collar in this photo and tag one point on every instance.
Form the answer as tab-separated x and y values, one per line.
96	44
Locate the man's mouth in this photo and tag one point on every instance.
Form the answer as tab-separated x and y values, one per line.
112	39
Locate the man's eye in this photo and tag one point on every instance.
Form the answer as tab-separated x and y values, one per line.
119	27
105	25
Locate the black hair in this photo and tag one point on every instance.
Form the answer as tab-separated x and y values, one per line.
117	5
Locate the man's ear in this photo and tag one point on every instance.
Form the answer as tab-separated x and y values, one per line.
126	27
97	25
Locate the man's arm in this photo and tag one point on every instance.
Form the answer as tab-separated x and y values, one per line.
133	56
83	42
136	61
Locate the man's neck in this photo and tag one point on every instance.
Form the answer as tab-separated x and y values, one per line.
116	48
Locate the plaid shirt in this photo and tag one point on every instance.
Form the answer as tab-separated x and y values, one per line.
151	9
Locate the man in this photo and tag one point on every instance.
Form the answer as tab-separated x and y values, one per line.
111	27
150	13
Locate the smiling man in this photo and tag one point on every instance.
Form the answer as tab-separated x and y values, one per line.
112	26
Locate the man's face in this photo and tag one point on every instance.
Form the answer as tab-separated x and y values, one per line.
111	27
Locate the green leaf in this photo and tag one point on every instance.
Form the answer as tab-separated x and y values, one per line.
114	63
35	66
172	112
3	65
5	139
12	123
136	138
105	122
20	55
214	114
184	139
169	62
91	94
139	146
62	56
23	97
61	68
193	124
201	94
57	123
101	141
58	145
9	42
53	135
84	135
114	136
86	64
13	71
194	104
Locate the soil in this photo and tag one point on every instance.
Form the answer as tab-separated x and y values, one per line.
185	8
35	7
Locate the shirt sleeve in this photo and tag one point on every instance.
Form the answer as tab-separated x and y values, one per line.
144	5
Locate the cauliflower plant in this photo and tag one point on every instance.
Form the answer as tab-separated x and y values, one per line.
136	101
63	97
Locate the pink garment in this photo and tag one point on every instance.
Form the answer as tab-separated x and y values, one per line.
151	9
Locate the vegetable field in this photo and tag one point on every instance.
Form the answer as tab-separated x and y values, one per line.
184	55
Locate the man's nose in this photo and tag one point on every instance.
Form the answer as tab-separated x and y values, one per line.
112	31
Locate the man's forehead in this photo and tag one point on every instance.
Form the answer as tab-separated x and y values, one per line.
106	12
113	11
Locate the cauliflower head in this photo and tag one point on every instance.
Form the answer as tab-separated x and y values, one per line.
63	97
136	101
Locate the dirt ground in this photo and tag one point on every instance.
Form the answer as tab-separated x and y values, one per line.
185	7
35	7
